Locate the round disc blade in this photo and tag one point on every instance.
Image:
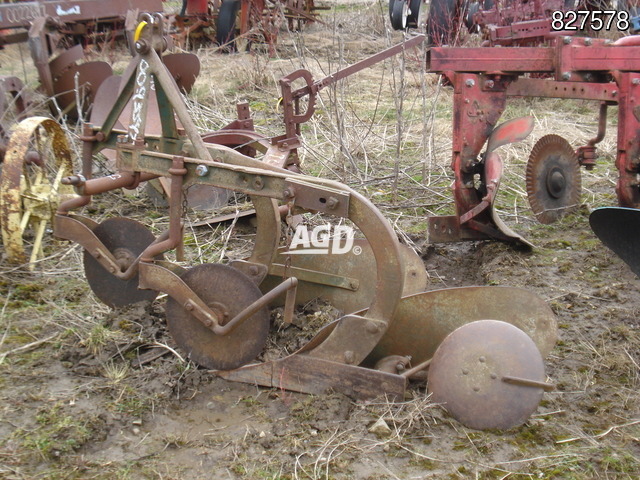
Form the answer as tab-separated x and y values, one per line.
184	68
468	369
228	291
126	239
553	179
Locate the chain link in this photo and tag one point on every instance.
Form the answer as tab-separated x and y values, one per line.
289	232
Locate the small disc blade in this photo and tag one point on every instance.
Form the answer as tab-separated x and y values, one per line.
125	239
553	179
468	369
226	291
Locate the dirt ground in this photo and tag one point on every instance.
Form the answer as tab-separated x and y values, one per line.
89	392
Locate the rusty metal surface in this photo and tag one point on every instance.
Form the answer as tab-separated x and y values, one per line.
226	291
103	102
422	321
86	77
474	380
343	280
31	191
316	376
14	15
553	179
125	239
13	107
184	67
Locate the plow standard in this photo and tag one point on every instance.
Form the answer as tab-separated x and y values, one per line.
483	347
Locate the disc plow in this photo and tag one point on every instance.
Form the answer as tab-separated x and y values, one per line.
475	344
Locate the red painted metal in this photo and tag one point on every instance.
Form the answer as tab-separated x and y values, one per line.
579	68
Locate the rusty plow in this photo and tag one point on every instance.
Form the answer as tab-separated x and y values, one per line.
389	330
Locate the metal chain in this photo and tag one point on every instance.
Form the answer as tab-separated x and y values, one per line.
288	236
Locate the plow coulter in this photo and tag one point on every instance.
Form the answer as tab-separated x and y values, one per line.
482	347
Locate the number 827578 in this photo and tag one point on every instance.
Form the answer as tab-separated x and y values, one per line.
595	20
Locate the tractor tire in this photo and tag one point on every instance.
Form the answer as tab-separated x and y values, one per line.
226	25
414	15
399	15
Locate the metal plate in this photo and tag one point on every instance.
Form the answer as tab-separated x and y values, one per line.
221	288
619	229
90	77
184	68
103	101
467	371
315	272
422	321
553	179
126	239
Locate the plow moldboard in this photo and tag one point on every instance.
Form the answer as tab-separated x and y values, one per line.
422	321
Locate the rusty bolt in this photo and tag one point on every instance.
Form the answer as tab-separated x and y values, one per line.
202	170
469	82
142	46
258	183
372	327
253	270
288	193
332	203
349	356
188	306
566	40
566	76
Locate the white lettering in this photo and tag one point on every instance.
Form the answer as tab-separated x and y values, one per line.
75	10
300	238
320	236
338	232
138	99
321	242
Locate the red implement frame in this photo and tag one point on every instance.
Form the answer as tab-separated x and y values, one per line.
483	79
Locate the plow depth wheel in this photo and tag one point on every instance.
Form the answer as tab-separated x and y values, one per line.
488	375
36	160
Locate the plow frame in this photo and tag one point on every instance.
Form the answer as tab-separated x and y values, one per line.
345	355
187	160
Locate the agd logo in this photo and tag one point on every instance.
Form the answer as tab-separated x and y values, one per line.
321	241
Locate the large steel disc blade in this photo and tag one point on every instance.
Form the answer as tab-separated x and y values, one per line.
470	370
125	239
553	179
227	292
347	281
184	68
422	321
619	229
88	76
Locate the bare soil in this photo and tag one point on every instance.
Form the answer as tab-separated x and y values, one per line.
93	393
